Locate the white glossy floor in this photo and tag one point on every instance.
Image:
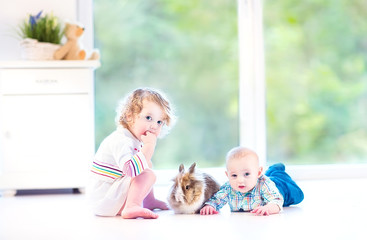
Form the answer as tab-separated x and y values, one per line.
333	209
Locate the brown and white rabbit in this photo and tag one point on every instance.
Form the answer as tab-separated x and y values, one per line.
191	190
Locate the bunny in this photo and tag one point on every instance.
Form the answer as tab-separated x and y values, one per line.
191	190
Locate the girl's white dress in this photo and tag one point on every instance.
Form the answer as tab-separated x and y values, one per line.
117	160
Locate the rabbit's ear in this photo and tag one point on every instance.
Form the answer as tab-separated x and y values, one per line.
181	169
192	168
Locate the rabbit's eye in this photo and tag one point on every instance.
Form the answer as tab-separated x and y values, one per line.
187	187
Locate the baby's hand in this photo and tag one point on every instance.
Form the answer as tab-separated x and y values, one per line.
149	138
261	211
266	210
208	210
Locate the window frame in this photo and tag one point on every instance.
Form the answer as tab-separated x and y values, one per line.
252	77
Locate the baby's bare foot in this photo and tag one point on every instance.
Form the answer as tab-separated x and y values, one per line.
136	212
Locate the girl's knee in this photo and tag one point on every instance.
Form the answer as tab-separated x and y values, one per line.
149	173
147	176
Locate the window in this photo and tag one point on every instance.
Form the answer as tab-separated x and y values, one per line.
316	79
270	128
186	48
307	107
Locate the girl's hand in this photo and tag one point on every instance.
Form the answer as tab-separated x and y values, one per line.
208	210
149	141
149	138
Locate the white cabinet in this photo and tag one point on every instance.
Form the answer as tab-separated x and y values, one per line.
46	124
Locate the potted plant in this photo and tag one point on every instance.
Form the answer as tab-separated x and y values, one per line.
41	36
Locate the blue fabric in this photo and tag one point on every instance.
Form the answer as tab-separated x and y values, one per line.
292	194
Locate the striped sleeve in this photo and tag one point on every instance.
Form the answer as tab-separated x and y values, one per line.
106	170
136	165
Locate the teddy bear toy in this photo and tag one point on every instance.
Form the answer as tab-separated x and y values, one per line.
71	50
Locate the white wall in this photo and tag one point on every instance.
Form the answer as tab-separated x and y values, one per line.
12	13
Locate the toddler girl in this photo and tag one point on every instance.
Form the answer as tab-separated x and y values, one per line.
122	176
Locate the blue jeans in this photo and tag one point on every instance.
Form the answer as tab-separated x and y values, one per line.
290	191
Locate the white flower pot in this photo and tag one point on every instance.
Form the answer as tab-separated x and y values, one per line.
31	49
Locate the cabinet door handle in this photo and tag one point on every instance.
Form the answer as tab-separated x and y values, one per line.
46	81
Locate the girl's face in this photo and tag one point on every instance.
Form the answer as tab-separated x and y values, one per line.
150	119
243	173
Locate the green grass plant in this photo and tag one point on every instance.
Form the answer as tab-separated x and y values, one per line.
44	29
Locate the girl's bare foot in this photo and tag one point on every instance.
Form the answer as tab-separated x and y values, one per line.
136	212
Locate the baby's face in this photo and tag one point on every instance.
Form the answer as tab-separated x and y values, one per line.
243	173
